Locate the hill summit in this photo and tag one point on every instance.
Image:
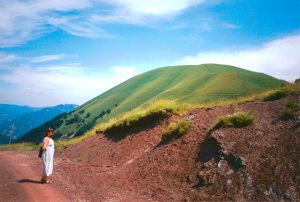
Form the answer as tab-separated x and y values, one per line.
192	84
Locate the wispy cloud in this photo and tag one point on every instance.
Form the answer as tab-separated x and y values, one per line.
51	85
8	58
78	27
280	58
48	58
22	21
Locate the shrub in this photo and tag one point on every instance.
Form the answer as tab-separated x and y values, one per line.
81	112
86	127
289	110
176	129
101	114
276	95
236	120
88	115
74	119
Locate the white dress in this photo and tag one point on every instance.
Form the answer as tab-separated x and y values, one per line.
47	158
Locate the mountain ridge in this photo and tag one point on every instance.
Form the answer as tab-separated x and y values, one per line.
192	84
15	128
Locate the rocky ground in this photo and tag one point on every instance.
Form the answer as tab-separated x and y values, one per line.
257	163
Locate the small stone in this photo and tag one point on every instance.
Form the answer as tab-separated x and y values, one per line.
190	118
243	161
230	172
229	182
223	167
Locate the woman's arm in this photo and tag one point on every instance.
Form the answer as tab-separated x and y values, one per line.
45	144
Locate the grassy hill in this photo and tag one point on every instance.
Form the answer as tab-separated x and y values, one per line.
192	84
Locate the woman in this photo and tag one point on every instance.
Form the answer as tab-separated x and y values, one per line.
47	156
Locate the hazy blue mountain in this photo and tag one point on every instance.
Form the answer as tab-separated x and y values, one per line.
9	112
23	119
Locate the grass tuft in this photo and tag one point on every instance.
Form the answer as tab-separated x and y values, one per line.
236	120
161	107
176	129
289	110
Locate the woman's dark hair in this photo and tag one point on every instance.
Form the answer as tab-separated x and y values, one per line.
49	130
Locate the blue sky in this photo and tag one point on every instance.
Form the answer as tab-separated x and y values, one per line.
62	51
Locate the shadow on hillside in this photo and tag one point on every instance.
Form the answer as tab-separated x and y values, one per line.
29	181
117	133
168	140
209	149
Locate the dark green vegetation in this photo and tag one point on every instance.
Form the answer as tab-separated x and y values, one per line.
176	129
236	120
27	118
278	94
289	110
185	84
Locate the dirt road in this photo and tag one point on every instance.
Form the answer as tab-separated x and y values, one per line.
20	174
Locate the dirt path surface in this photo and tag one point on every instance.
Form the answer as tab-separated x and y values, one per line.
19	179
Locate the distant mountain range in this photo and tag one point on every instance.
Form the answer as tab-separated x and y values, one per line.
193	84
16	120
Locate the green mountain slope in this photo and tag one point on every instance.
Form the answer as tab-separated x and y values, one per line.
190	84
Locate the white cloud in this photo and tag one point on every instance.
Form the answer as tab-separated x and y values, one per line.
156	7
60	84
6	57
279	58
78	27
119	17
22	21
47	58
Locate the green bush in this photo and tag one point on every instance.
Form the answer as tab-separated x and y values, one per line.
88	115
289	110
72	120
276	95
176	129
236	120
